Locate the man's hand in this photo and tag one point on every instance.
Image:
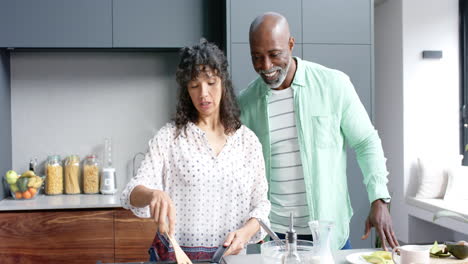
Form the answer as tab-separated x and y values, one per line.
380	219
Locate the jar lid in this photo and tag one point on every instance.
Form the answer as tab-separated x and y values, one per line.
73	158
54	157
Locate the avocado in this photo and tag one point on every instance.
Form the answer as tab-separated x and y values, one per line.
441	255
22	183
459	251
435	248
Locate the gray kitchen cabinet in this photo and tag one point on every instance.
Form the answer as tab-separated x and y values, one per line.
354	60
244	11
337	21
56	23
242	69
148	23
5	117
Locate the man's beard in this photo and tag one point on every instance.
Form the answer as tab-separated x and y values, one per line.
283	72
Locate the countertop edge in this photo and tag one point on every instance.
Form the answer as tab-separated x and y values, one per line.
62	202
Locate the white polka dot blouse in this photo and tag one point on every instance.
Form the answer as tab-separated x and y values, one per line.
213	195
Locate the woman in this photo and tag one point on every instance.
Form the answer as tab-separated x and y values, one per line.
205	171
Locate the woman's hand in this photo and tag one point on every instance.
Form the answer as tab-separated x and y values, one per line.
237	240
162	208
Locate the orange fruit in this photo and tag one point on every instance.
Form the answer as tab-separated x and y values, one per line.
32	191
27	195
18	195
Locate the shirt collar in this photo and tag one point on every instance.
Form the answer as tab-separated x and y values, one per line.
299	76
198	131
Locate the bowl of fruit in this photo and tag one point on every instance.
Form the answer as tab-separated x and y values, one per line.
24	186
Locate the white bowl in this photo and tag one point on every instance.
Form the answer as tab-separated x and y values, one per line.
272	251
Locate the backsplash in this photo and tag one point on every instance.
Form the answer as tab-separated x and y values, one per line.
68	102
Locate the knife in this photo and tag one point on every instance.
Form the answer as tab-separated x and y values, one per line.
218	255
269	231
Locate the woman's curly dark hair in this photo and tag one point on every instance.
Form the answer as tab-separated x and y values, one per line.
207	54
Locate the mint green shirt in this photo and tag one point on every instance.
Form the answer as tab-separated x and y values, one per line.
329	116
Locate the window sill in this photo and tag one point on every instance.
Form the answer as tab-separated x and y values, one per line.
426	208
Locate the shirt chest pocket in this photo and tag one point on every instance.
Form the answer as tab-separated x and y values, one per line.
326	131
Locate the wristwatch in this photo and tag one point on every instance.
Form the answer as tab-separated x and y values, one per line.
385	200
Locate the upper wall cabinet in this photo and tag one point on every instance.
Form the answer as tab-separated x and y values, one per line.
56	23
109	23
245	11
149	23
337	21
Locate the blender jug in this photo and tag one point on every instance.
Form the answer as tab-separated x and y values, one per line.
321	234
108	177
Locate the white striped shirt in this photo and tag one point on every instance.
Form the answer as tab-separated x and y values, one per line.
287	187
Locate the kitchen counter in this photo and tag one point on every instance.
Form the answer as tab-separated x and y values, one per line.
64	201
339	256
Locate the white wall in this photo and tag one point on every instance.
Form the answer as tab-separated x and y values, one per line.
431	87
417	100
68	102
388	54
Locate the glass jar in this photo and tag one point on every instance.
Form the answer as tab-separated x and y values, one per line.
72	175
54	175
91	175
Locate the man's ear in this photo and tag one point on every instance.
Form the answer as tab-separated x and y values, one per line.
291	43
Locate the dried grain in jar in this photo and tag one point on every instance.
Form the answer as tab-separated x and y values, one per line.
91	175
72	175
54	176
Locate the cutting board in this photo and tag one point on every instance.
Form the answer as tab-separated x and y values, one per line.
450	260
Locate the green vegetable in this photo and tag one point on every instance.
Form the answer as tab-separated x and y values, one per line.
22	183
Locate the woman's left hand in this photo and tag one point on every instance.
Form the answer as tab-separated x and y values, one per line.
237	240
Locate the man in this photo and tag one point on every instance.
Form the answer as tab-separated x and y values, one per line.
304	115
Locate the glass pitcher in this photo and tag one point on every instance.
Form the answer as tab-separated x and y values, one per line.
321	234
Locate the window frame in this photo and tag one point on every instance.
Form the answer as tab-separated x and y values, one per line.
463	15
